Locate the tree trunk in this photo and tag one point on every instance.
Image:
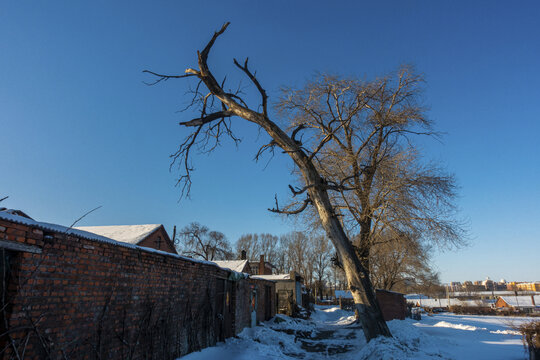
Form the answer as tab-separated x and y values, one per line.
370	315
369	312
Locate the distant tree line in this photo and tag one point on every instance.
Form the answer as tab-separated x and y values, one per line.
401	264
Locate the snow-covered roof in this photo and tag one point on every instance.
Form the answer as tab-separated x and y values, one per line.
234	265
131	234
273	277
521	301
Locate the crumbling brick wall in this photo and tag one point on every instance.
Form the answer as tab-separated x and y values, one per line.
78	298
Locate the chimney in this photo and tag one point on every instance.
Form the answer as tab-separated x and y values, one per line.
261	266
243	255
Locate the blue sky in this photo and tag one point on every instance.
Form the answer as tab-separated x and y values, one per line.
79	129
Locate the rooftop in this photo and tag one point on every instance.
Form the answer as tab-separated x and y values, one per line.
131	234
234	265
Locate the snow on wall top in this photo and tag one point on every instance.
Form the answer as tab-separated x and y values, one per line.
273	277
131	234
9	216
234	265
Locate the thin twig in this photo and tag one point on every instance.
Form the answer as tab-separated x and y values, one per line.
79	219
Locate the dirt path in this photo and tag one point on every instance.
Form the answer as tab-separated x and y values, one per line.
329	334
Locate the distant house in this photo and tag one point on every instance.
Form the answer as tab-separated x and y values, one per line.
527	303
261	267
150	235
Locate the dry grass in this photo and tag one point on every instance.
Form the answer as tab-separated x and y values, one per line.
530	333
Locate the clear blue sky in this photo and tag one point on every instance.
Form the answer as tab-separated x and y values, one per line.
79	129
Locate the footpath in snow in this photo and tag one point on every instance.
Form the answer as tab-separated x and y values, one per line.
332	333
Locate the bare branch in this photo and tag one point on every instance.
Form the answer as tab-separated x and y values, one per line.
82	217
208	118
277	210
253	79
270	146
163	77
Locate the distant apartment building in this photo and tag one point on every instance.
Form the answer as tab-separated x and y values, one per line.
470	286
455	286
530	286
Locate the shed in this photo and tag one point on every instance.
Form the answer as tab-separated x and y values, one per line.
288	290
393	305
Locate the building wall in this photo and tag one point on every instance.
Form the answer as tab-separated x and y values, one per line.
393	305
528	286
153	242
83	298
500	303
244	303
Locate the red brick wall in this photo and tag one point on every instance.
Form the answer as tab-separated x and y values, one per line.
89	299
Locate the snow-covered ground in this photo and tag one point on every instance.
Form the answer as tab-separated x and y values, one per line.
332	333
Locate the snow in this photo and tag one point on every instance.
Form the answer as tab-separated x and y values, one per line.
234	265
131	234
440	303
331	333
458	326
490	293
273	277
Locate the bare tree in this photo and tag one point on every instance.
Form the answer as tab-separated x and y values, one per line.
196	240
217	107
360	133
399	262
298	248
259	244
322	255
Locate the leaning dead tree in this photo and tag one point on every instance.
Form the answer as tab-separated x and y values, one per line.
217	107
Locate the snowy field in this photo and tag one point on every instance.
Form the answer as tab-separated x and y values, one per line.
332	334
